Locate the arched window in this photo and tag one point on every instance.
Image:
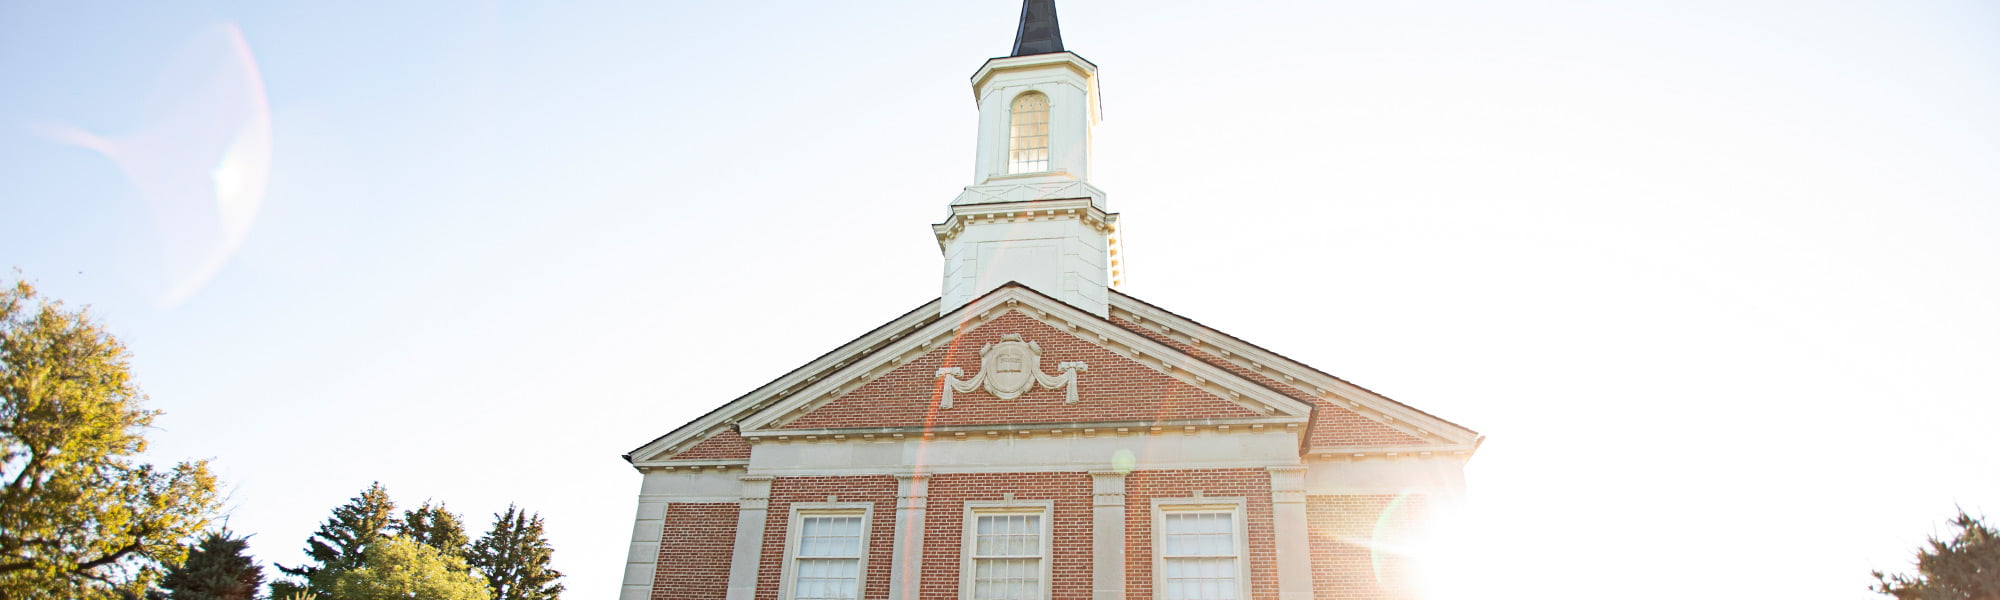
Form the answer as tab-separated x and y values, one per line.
1028	144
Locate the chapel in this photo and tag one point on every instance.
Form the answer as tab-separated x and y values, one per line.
1034	433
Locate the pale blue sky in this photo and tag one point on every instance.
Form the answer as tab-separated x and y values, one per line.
1717	279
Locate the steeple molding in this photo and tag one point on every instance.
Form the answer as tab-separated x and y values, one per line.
1029	191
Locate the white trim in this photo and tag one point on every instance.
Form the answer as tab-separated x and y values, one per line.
1118	340
1048	146
643	555
1107	535
867	345
1237	425
968	535
802	510
751	512
906	562
1004	452
1334	390
1235	506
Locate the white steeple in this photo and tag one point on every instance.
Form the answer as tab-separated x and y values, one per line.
1031	215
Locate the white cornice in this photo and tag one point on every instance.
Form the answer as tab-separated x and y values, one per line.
1058	65
1029	210
722	417
695	466
1066	60
1355	453
1032	430
1347	395
1062	316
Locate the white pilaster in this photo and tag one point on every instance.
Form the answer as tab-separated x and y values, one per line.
1107	535
749	537
641	561
1288	510
906	566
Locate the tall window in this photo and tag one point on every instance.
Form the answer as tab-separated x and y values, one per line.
826	557
1028	145
1006	552
1200	553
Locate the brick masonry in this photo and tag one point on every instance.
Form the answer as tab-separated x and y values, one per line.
879	490
1115	388
726	445
1354	541
1333	425
1253	485
695	548
1070	546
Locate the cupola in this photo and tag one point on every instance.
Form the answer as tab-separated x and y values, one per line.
1031	215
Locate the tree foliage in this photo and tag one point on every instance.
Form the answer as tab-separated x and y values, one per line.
342	541
79	515
436	527
218	568
1966	567
399	568
515	558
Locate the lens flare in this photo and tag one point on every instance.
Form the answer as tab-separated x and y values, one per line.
200	164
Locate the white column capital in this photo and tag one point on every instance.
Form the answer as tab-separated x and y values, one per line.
1288	484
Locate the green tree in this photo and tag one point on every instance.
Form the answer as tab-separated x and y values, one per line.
436	527
344	538
1966	567
399	568
515	558
80	517
218	568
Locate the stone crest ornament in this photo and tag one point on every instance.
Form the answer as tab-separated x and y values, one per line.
1009	368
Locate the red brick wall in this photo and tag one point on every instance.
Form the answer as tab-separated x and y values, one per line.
878	489
1070	543
695	549
1115	388
1353	540
721	446
1254	485
1335	426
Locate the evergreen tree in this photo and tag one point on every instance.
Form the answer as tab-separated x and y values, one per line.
399	568
515	558
215	569
1967	567
436	527
343	539
80	514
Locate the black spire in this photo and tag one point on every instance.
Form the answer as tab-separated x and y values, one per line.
1038	33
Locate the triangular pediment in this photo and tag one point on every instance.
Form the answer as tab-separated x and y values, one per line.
1118	377
722	444
1142	365
1347	418
1110	386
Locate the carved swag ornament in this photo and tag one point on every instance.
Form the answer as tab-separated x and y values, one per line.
1009	368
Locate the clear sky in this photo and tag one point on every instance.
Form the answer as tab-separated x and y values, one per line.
1719	280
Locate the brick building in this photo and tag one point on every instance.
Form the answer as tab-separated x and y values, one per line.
1033	432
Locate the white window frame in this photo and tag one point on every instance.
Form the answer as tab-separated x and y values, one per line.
1048	146
1234	506
793	538
970	534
